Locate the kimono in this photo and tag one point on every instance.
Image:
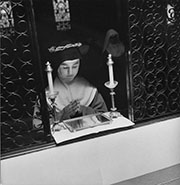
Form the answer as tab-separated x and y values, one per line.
80	89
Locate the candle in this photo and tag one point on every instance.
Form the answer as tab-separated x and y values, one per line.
49	77
110	67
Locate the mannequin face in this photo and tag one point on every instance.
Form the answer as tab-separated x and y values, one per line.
68	70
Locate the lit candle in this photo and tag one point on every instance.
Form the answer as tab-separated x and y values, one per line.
49	77
110	67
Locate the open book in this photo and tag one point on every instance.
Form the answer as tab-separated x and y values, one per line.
87	121
86	125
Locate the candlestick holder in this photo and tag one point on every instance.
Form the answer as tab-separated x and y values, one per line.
111	86
52	98
113	113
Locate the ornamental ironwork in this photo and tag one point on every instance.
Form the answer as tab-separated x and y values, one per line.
154	29
18	81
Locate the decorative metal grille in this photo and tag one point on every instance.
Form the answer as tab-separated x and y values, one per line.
18	83
154	69
155	58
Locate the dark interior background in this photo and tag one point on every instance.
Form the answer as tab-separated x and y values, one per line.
148	91
90	20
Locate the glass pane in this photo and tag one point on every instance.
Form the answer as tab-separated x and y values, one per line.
62	14
6	18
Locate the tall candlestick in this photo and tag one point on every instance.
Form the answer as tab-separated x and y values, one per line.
110	67
49	77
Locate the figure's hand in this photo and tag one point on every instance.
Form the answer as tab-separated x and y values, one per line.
71	109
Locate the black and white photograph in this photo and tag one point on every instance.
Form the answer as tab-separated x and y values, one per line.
90	92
